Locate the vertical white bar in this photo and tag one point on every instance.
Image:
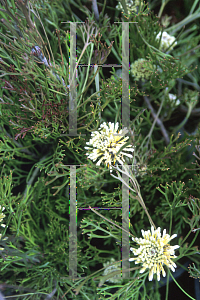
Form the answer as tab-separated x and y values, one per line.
125	123
72	82
97	86
73	225
125	75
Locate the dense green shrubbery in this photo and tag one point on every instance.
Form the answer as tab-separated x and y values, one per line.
37	153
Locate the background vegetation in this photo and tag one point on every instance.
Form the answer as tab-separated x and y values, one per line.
36	151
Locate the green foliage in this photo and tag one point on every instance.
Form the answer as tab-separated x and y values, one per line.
129	290
194	271
194	207
39	156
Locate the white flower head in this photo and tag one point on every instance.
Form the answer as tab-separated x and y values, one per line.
106	143
173	98
154	252
166	41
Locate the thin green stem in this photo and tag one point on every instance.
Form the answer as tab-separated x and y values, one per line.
190	107
167	286
194	239
186	237
154	122
114	51
145	209
151	48
38	16
136	189
180	287
88	67
104	6
173	29
162	8
170	224
193	6
109	220
197	232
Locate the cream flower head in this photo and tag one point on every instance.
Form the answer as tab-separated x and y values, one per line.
154	251
2	216
104	145
112	268
2	240
142	69
166	41
132	5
